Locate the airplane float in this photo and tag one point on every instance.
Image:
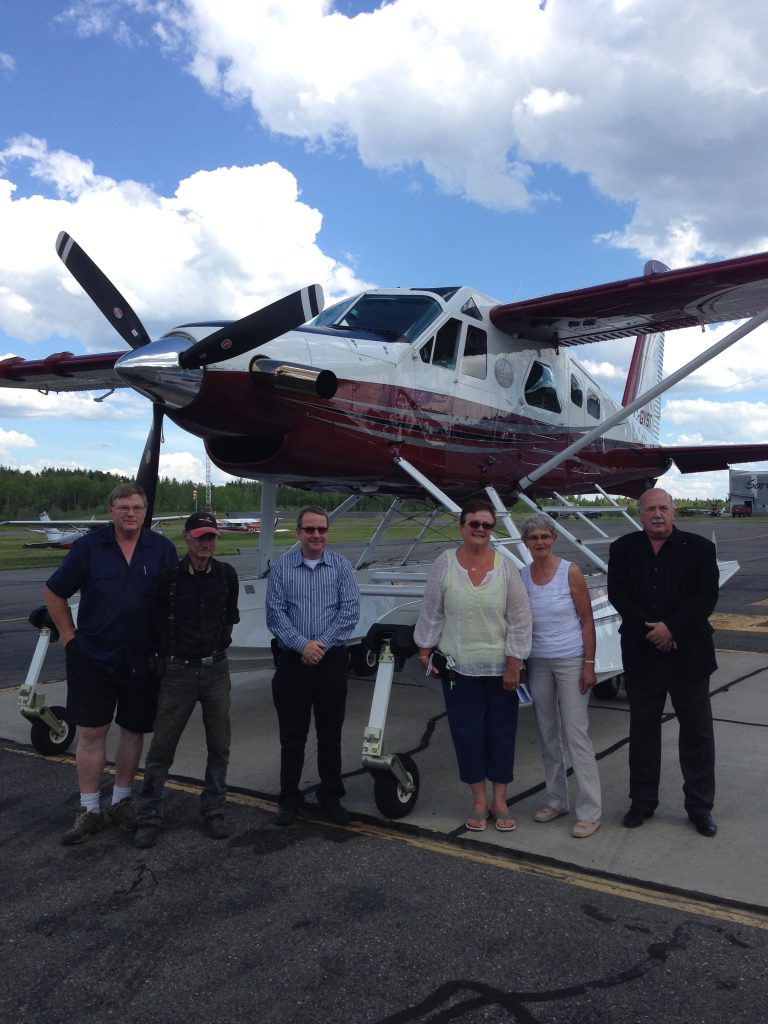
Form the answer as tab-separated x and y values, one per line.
436	391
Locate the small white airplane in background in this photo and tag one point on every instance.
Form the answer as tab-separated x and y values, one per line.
62	533
241	525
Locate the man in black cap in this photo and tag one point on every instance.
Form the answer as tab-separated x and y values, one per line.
194	609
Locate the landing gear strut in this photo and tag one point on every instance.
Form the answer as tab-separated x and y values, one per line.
51	734
395	776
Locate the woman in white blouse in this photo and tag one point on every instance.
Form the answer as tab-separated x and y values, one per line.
476	611
561	674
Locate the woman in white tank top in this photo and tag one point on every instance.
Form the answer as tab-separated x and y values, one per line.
561	674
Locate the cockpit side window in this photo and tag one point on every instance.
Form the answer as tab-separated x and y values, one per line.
475	360
425	352
540	388
577	391
446	345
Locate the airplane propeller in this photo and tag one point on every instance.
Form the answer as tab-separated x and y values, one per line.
256	329
101	291
147	474
229	341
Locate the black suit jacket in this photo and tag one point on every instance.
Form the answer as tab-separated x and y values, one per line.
695	579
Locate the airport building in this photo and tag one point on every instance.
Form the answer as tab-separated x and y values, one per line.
748	490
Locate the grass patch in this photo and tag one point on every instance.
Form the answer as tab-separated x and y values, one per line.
346	530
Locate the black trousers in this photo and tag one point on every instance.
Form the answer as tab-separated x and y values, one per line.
647	688
297	691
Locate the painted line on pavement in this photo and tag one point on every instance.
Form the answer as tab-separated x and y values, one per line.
685	903
739	623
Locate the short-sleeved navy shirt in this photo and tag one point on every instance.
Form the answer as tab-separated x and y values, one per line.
113	618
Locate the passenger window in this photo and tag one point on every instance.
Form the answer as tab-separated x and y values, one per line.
540	390
593	405
577	391
475	360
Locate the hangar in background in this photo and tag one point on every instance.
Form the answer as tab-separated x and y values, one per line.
748	490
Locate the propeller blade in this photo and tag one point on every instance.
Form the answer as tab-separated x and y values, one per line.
146	477
255	329
101	290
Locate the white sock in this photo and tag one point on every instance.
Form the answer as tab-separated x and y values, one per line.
120	793
90	801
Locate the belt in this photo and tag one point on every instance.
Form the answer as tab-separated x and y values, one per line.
197	662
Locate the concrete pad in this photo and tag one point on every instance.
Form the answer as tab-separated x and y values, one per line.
665	851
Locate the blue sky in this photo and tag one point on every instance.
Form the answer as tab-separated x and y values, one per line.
520	147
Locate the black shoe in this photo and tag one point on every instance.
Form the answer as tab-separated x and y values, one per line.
331	808
286	814
704	824
215	828
635	816
145	836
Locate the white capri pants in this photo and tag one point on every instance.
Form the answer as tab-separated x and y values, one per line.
561	713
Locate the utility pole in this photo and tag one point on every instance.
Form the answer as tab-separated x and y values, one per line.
208	489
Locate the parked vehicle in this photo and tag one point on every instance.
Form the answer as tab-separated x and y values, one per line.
741	510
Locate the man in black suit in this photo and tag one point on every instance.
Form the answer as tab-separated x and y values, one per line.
664	584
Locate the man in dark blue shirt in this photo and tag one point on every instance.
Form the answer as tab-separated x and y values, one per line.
107	656
194	608
313	604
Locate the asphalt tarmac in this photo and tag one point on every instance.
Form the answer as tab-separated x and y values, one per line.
409	921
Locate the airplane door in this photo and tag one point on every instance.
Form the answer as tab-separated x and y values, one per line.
434	380
475	392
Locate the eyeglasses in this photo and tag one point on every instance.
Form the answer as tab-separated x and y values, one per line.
124	509
477	524
536	537
314	529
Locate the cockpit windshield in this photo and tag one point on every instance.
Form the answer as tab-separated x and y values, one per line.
400	317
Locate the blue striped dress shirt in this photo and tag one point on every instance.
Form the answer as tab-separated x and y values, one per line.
306	604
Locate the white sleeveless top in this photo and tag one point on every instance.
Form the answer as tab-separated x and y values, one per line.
556	626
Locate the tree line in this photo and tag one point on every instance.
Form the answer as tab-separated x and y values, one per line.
79	493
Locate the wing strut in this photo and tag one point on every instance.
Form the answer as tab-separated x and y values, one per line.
499	543
658	389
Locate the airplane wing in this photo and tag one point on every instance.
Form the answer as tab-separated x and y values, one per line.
57	524
79	524
709	457
707	294
62	371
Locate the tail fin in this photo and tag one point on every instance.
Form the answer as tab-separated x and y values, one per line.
646	368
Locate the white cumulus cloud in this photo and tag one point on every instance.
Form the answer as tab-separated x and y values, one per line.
654	103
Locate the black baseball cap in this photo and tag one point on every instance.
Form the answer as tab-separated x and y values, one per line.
200	523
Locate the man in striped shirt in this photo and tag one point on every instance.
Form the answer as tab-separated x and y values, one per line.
313	605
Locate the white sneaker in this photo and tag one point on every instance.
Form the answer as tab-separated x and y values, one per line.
547	814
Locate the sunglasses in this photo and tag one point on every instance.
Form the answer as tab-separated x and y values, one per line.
477	524
314	529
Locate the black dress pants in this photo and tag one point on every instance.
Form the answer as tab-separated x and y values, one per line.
297	691
647	687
